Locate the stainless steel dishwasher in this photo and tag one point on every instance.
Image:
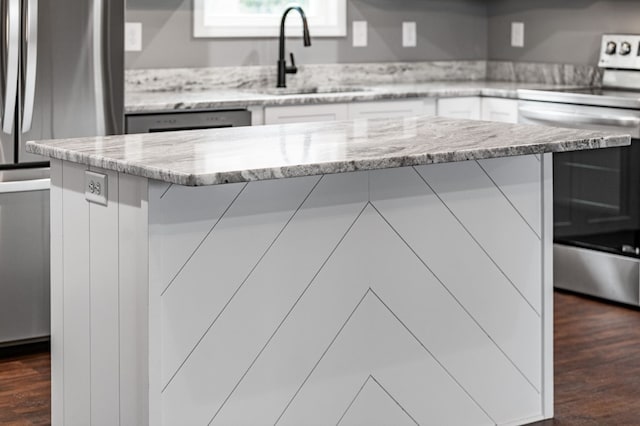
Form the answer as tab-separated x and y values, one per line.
187	120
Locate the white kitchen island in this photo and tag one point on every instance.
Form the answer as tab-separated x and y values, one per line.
382	272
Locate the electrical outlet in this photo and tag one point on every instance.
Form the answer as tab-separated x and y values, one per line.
95	187
133	36
517	34
359	33
409	34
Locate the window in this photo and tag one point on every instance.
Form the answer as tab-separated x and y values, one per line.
261	18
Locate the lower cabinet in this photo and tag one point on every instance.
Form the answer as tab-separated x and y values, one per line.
305	113
343	111
469	108
479	108
499	109
390	109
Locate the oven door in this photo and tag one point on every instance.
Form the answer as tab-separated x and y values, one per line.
596	192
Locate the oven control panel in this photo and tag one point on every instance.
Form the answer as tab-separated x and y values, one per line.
620	51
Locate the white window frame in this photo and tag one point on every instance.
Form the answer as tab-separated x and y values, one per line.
330	21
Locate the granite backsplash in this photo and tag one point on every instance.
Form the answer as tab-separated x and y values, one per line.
252	77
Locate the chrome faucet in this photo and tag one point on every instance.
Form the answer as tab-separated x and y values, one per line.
283	68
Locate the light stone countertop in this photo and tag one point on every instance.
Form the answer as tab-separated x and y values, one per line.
164	101
243	154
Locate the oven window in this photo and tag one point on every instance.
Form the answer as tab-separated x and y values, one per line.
597	200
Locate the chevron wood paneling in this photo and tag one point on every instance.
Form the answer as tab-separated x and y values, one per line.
264	299
373	405
519	181
467	191
232	248
178	230
356	298
373	256
461	263
374	341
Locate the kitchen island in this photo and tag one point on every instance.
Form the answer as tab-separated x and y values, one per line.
358	272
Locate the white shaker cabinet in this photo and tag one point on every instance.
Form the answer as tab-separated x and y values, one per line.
467	107
472	108
391	109
354	110
498	109
305	113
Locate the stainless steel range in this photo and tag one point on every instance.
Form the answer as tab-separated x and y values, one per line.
597	194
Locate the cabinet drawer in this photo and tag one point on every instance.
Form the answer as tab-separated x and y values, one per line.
468	108
305	113
389	109
502	110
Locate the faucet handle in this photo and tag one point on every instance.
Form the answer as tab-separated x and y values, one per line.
292	69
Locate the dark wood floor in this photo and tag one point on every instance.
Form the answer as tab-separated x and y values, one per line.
25	391
597	363
597	370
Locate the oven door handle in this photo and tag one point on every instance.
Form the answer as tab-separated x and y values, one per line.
560	117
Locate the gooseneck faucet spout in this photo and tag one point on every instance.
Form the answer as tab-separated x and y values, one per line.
283	68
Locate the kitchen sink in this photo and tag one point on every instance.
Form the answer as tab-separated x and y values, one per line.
312	90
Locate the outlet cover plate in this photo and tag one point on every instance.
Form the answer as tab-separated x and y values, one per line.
517	34
95	187
409	34
359	33
133	37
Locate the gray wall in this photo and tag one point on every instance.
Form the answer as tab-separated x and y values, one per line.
566	31
447	29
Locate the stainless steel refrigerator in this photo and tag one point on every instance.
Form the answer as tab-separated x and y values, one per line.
61	75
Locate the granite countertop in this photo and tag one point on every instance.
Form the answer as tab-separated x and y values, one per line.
159	101
243	154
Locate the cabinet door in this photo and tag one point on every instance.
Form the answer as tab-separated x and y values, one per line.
468	108
502	110
24	262
305	113
390	109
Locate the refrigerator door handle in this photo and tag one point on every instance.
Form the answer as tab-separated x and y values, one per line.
99	30
31	37
13	52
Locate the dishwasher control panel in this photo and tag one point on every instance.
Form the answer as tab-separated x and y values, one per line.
188	120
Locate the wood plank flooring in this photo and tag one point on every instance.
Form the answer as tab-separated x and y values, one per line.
597	370
597	363
25	391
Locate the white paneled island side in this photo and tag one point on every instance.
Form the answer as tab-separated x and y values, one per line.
378	272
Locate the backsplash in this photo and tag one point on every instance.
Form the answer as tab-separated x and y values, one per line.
533	72
194	79
251	77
